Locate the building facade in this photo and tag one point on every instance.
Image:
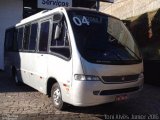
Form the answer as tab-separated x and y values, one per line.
128	8
11	12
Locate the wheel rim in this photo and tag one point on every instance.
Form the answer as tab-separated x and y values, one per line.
57	96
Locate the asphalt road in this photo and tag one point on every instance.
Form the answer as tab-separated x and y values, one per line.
26	103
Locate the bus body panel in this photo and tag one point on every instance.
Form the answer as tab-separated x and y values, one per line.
61	70
82	92
45	66
33	67
111	70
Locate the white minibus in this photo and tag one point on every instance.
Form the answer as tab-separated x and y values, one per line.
77	56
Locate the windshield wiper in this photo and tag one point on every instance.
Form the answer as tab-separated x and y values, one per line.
130	51
119	43
105	52
115	41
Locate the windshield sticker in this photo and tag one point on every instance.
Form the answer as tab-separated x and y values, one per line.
80	21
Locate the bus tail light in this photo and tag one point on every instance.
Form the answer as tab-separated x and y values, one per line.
86	77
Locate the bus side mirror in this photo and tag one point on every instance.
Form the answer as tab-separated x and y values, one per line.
58	31
57	17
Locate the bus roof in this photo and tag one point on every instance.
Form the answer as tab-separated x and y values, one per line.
46	13
39	15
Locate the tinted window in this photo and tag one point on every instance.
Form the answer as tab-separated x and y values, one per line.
20	37
26	37
62	51
103	39
53	42
61	45
33	37
44	33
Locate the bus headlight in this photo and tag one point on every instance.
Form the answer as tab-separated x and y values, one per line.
86	77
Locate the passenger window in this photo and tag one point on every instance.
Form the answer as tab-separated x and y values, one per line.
20	37
60	45
33	36
26	37
44	34
53	42
60	40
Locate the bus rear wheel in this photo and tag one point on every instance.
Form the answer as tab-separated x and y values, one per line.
56	97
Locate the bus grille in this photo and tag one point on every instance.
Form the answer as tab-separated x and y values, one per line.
120	79
119	91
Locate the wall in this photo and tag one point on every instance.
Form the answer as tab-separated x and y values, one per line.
146	30
128	8
10	13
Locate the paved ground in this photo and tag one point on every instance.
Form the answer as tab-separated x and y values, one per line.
23	102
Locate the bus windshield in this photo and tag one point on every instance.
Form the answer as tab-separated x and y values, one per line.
103	39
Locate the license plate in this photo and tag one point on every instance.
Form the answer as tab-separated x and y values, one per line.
121	97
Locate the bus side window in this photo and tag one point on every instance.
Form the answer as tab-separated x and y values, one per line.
33	36
60	40
44	34
61	45
26	37
20	37
53	42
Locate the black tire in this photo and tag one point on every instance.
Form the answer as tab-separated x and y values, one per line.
56	97
15	78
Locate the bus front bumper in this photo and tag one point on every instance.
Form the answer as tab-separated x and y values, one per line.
89	93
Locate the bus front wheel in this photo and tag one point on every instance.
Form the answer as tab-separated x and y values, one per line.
56	97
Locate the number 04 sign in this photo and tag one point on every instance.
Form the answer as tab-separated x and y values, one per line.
80	21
